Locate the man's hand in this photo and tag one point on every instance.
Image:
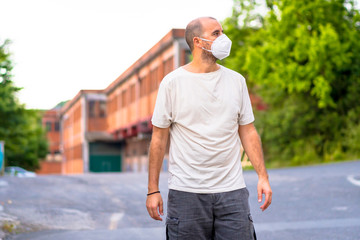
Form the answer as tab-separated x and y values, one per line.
264	188
154	205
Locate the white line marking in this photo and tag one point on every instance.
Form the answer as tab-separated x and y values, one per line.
311	224
3	183
114	219
340	208
352	180
115	200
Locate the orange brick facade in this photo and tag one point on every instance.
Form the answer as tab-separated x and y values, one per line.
83	122
52	163
110	129
131	97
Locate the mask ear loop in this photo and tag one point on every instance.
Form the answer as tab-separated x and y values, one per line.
206	41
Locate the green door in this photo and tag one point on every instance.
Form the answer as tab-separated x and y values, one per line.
103	163
105	157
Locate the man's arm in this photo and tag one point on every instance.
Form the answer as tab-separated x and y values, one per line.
154	203
251	142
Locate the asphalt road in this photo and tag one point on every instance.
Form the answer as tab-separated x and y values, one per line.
319	202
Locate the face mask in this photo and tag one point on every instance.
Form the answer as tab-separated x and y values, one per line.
221	46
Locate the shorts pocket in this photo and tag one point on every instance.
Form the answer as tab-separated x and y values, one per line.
172	228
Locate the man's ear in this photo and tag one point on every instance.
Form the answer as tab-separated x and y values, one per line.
196	41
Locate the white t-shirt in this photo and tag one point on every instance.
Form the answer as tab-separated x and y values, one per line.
203	111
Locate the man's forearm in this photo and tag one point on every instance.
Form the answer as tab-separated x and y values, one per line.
155	161
156	155
252	144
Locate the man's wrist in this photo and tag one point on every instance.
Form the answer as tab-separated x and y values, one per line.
153	189
152	193
264	177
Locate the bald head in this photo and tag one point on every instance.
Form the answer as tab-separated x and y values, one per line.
195	29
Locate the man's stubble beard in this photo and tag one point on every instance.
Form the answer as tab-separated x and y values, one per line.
208	57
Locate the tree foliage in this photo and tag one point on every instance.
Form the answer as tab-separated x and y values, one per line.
304	61
21	129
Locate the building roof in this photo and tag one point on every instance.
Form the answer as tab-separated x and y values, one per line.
160	46
70	103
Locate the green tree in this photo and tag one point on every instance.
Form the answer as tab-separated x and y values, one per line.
304	62
242	28
21	129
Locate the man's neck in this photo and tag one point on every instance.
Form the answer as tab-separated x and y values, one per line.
198	66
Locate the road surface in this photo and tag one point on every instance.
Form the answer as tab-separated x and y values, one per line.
318	202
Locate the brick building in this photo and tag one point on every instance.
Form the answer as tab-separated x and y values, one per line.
131	97
86	145
53	161
110	129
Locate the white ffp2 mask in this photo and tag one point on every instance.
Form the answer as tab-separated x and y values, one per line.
221	46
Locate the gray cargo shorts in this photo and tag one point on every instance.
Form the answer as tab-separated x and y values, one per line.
216	216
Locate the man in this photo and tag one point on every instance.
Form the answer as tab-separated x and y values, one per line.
206	110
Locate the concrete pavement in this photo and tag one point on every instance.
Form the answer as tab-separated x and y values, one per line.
318	202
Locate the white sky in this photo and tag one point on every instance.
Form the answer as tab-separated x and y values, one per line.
62	46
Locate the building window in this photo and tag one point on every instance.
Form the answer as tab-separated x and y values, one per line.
48	126
112	105
154	79
132	93
57	126
142	87
91	108
116	100
77	114
144	125
102	109
123	99
168	65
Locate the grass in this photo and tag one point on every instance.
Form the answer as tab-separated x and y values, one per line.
8	227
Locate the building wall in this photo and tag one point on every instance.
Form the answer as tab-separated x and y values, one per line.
96	113
134	100
136	155
51	123
47	167
84	120
122	111
72	138
132	97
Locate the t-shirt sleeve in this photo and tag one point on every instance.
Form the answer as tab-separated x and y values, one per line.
246	114
162	116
